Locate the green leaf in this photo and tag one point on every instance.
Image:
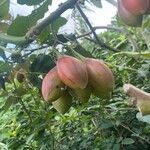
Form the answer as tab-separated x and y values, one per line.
127	141
4	67
4	8
30	138
42	64
9	102
21	24
3	27
58	23
79	49
116	147
29	2
3	146
106	124
44	35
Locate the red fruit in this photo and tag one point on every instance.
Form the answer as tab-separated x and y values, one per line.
63	104
136	7
127	17
52	87
100	77
72	72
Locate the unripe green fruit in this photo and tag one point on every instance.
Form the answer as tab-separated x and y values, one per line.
136	7
144	106
83	95
127	17
72	72
63	104
52	87
100	77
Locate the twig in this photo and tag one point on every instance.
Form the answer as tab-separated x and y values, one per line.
36	30
25	109
121	30
33	50
99	41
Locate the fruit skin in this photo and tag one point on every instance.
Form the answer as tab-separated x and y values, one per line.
144	106
63	104
127	17
100	77
72	72
136	7
52	87
83	95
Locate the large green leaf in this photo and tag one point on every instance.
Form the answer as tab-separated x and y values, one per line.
58	23
97	3
4	8
2	83
127	141
136	55
29	2
4	67
42	64
46	34
21	24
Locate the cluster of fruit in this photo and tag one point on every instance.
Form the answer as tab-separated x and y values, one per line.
74	78
132	11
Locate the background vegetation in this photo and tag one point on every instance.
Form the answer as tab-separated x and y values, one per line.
28	123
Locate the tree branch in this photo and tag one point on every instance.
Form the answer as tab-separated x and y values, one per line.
99	41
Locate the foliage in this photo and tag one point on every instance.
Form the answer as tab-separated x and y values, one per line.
27	122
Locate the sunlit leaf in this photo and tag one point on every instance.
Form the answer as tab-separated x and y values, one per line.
22	24
29	2
127	141
4	8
